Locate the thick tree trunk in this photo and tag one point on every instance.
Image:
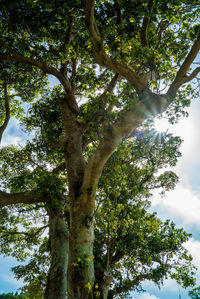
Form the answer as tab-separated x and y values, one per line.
81	267
59	247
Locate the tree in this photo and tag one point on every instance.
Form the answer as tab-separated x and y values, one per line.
109	84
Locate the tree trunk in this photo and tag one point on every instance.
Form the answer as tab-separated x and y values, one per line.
59	247
81	267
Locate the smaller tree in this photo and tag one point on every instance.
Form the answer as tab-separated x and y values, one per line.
14	296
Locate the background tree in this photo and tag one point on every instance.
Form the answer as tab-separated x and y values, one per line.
100	101
12	296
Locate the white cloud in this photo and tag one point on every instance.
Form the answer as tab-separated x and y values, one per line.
9	139
147	296
188	129
182	202
168	285
193	246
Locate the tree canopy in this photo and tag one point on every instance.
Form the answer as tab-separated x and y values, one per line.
84	79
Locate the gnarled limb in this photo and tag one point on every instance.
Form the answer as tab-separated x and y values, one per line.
7	199
104	59
59	168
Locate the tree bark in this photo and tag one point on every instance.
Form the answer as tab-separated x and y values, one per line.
59	248
81	268
81	234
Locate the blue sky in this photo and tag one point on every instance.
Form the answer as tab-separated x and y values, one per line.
7	282
182	204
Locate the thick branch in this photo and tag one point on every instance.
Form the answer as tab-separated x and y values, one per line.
68	36
145	25
7	108
123	126
181	75
100	55
192	76
17	198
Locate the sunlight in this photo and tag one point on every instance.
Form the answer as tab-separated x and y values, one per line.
161	125
186	128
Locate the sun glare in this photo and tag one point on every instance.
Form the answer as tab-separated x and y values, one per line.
161	125
186	129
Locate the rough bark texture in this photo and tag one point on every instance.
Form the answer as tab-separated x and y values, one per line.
80	268
59	247
7	199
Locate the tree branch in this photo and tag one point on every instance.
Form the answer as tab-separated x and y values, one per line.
68	35
192	76
17	198
59	168
118	11
7	108
103	97
181	74
123	126
145	25
100	54
29	234
44	67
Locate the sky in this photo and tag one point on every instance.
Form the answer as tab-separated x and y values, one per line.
182	205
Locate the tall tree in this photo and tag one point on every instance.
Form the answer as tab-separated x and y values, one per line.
111	60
